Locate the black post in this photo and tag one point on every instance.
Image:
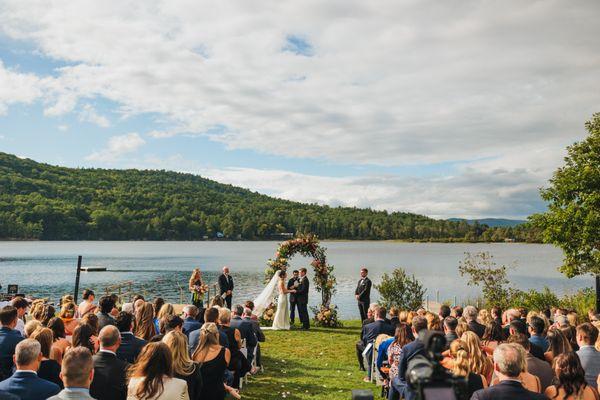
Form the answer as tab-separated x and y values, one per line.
597	294
75	296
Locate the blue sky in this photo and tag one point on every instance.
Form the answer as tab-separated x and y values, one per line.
344	103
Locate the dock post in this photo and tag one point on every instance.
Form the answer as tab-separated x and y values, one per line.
78	274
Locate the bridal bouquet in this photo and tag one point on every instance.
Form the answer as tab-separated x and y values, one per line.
200	289
266	319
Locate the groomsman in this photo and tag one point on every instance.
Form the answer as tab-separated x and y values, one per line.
226	286
302	299
363	293
293	283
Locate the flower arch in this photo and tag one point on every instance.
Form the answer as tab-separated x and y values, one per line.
324	280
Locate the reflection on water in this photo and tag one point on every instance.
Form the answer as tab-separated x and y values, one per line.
162	268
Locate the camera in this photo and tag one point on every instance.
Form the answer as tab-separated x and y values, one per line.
428	378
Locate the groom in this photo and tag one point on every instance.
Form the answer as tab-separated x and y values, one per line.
302	299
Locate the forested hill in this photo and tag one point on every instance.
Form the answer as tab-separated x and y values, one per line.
40	201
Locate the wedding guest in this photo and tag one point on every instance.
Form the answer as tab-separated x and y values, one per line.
570	381
92	321
535	366
496	313
293	283
49	369
226	286
110	372
77	372
87	305
457	312
138	301
508	363
394	318
25	383
444	311
511	315
144	322
461	327
131	346
183	366
517	326
21	305
393	350
588	355
239	364
214	360
157	305
152	376
67	314
195	286
461	366
492	336
168	324
30	327
471	314
246	329
216	301
536	332
106	304
363	293
409	351
369	334
433	321
190	322
484	316
60	344
479	363
450	324
260	336
84	336
9	339
559	344
166	310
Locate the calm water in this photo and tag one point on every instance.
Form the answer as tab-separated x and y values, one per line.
48	268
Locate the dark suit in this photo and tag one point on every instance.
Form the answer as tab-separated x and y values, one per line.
541	369
194	338
293	304
410	351
450	337
7	396
189	325
110	377
302	301
260	337
26	385
507	390
9	338
105	319
363	291
368	335
476	327
247	332
225	284
130	347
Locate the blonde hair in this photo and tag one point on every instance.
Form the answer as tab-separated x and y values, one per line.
403	316
45	337
461	327
67	310
484	316
224	315
393	311
31	327
144	322
478	362
195	276
433	321
166	310
460	354
178	344
209	336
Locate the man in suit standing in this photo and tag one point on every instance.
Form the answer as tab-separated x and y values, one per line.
302	299
363	293
110	373
131	346
246	330
9	338
226	286
589	356
25	383
293	283
507	367
190	322
77	373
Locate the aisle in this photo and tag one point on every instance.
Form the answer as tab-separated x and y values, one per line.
315	364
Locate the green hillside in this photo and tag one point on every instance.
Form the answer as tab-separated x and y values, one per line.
40	201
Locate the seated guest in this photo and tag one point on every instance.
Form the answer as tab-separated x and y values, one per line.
536	332
21	305
60	344
25	383
157	305
484	316
496	313
190	323
246	330
49	369
479	363
409	351
535	366
570	381
558	344
183	366
110	373
239	364
106	304
460	365
144	322
217	301
84	336
457	312
152	376
9	338
371	313
492	336
471	314
67	314
508	362
168	324
87	305
260	336
511	314
30	327
391	350
450	324
368	335
517	326
587	334
165	310
130	345
394	320
444	311
211	314
77	373
433	321
92	321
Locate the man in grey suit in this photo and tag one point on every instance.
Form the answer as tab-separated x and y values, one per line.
535	366
77	373
588	355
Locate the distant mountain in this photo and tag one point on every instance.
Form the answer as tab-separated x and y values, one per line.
491	222
41	201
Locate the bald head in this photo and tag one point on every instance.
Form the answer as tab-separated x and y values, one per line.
110	338
225	270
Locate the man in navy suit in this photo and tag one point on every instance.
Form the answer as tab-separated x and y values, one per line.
211	314
508	361
302	299
25	383
369	334
131	346
414	348
363	293
246	330
226	286
9	338
190	323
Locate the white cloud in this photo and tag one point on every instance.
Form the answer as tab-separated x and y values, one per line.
89	114
63	127
117	147
16	87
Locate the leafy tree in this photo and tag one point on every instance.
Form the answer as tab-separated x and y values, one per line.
400	290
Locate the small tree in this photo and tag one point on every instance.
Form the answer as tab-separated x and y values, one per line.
483	272
400	290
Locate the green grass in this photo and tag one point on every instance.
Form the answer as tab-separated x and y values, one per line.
316	364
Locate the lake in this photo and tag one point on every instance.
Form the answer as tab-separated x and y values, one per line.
48	268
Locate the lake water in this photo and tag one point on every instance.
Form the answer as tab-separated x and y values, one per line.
48	268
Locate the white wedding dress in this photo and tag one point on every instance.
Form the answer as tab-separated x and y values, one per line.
281	321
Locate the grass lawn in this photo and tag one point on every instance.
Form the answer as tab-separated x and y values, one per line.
315	364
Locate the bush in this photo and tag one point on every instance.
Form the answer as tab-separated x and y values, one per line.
400	290
534	300
581	301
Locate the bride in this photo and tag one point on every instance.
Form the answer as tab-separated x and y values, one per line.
276	286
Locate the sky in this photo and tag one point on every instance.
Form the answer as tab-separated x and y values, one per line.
447	109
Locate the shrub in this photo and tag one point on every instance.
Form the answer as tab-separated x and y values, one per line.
400	290
581	301
534	300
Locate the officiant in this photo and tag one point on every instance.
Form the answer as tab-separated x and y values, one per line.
293	283
226	286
